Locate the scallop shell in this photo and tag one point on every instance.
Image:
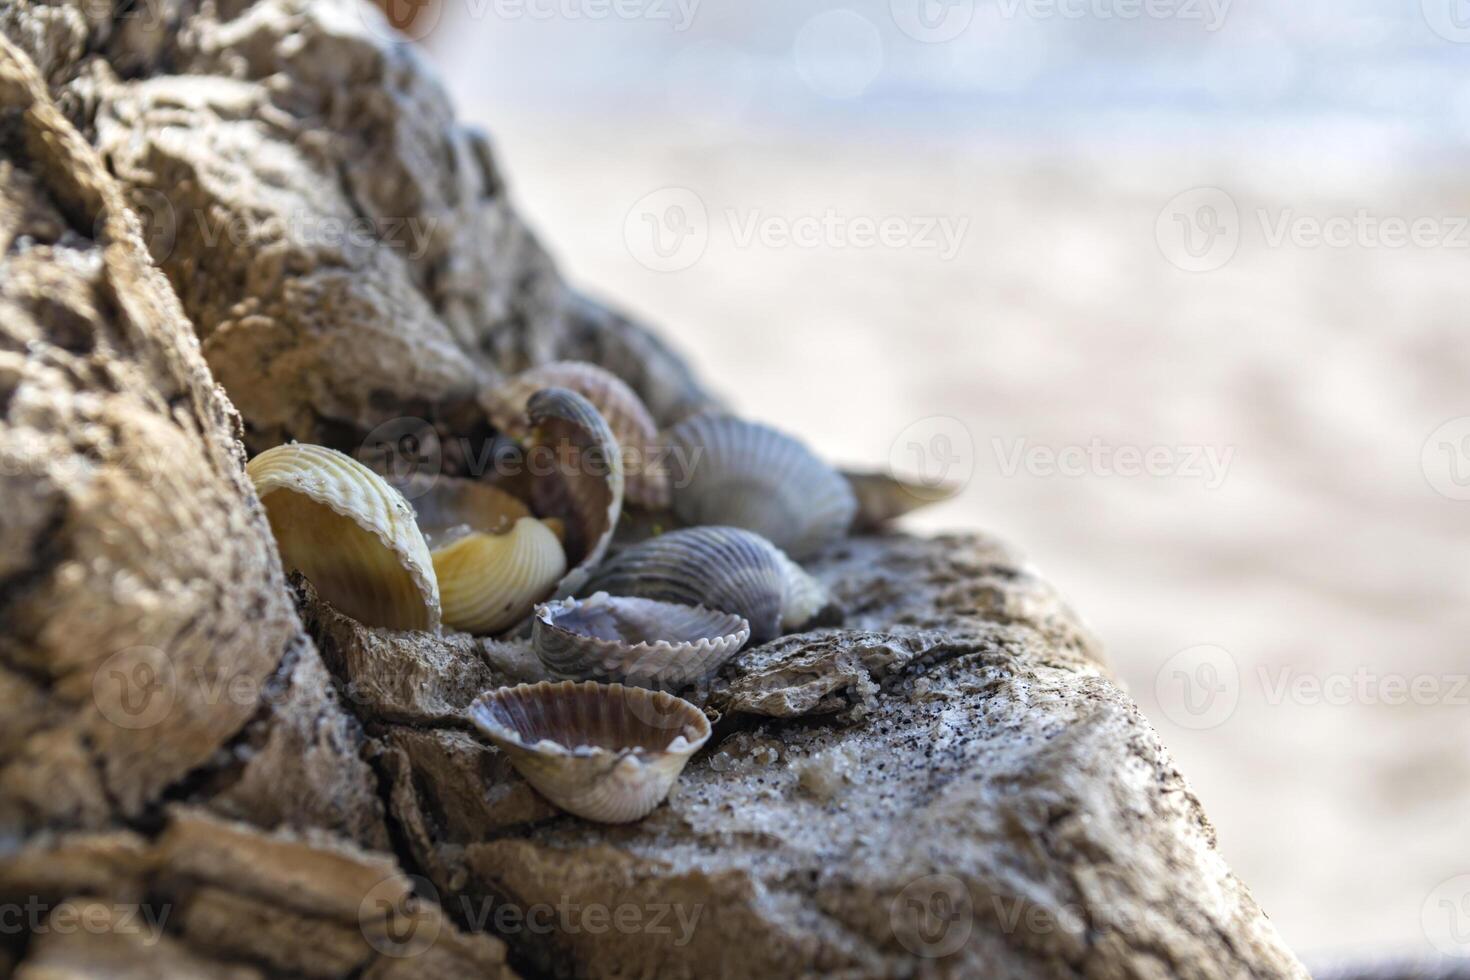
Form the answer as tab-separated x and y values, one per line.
645	642
730	471
725	568
577	476
350	533
604	752
883	497
646	483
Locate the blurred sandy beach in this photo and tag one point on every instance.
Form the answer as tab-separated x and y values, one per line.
981	246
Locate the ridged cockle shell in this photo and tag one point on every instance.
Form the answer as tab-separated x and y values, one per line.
350	533
577	476
744	474
725	568
646	484
493	560
638	641
604	752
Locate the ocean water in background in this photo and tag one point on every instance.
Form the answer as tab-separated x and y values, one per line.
1182	294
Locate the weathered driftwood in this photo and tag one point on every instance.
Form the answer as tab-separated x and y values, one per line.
949	784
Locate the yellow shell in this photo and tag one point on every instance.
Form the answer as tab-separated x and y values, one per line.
490	582
350	533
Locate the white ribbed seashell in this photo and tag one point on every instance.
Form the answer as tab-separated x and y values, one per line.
646	484
350	533
604	752
744	474
577	477
632	640
725	568
883	497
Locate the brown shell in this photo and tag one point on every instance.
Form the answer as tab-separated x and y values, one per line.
646	480
604	752
576	476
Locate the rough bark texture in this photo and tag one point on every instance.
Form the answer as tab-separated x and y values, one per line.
228	778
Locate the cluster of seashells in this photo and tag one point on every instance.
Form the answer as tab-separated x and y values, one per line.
617	631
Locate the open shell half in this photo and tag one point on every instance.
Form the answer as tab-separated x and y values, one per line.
604	752
646	484
632	640
350	533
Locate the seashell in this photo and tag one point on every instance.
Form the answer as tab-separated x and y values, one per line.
577	477
604	752
725	568
733	472
449	507
883	497
350	533
638	641
490	582
493	560
645	484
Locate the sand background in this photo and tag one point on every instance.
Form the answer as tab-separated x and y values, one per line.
1325	544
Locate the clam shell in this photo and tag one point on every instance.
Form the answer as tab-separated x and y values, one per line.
604	752
645	484
450	507
350	533
883	497
577	476
725	568
490	582
744	474
646	642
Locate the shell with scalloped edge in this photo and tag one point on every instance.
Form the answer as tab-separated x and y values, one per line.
646	482
576	477
638	641
350	533
727	470
725	568
604	752
493	560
